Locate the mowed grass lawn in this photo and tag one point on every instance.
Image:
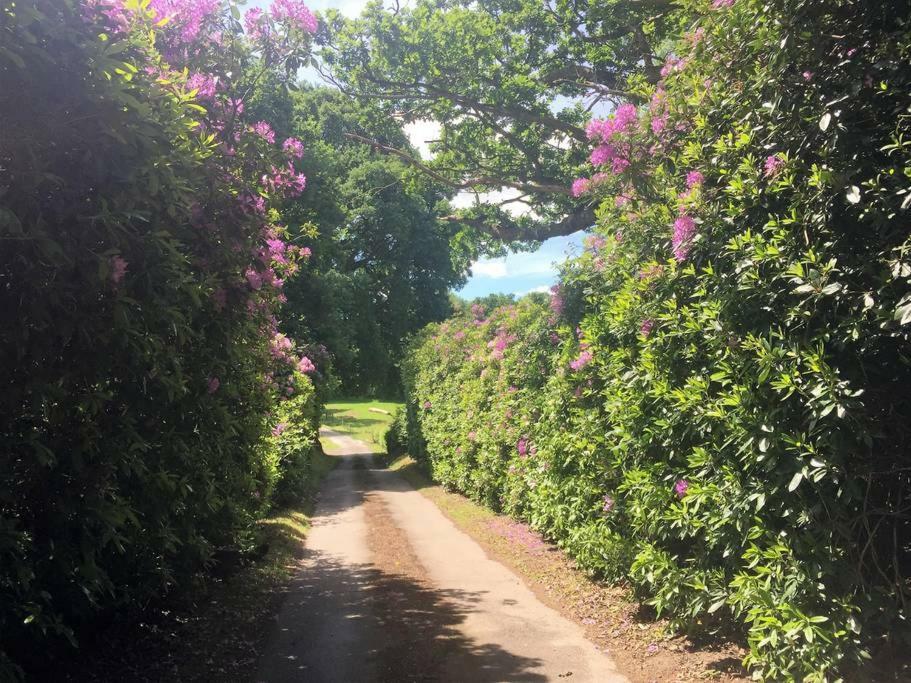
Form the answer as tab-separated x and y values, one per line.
356	419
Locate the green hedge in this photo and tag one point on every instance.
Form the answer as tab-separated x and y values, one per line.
716	404
134	412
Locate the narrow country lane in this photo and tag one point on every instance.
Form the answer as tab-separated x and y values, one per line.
390	590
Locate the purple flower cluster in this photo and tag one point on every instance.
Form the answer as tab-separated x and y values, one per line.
773	165
118	269
580	186
612	136
254	26
186	17
694	178
583	359
204	85
682	239
295	13
556	300
264	130
522	447
294	148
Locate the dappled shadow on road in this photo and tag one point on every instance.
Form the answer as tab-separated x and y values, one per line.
381	620
357	622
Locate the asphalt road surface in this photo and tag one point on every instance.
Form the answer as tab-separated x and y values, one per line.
390	590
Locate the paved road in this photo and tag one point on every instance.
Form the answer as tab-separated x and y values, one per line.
390	590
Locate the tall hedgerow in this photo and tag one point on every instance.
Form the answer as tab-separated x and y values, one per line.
725	421
141	261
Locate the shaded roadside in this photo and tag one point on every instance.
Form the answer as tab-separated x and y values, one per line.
215	631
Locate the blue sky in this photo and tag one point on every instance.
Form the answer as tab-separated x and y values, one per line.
522	273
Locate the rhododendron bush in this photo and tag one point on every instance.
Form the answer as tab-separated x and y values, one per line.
723	416
142	258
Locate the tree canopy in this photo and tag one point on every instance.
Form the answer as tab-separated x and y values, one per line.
512	85
383	262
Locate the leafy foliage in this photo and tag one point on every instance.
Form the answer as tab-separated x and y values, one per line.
511	85
723	419
383	261
141	264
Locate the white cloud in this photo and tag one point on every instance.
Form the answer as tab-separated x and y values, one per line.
493	268
544	289
420	133
465	199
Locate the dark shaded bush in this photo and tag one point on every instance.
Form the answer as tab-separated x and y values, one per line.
134	319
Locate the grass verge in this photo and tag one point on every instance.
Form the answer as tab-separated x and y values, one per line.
643	647
217	631
362	419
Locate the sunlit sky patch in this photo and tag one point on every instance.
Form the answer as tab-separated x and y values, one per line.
522	273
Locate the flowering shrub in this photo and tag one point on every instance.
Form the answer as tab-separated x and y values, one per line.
142	259
291	443
723	419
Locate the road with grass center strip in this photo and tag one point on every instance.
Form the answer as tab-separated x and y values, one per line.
390	590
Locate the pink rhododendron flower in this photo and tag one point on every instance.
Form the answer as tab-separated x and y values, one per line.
116	17
646	328
581	360
279	428
672	64
427	405
595	243
720	4
580	186
294	147
608	504
264	130
556	300
204	85
472	435
253	24
212	385
659	123
305	365
682	240
695	37
694	178
807	76
773	165
681	487
295	13
254	278
522	447
186	16
118	269
612	134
